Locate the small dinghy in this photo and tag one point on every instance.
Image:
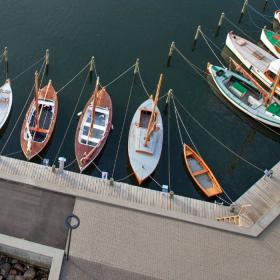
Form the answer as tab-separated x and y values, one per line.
271	40
145	138
201	173
6	100
93	127
39	120
247	97
262	64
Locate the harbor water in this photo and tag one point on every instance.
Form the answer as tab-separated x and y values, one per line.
117	33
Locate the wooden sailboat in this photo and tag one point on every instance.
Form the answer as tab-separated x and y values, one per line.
6	100
146	137
201	173
93	127
259	62
271	40
39	120
247	95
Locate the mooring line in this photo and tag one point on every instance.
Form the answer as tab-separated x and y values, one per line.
73	113
27	69
23	109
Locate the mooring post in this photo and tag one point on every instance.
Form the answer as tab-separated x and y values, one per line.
171	194
111	182
172	48
6	61
169	94
265	5
198	30
220	24
47	61
136	68
91	68
243	10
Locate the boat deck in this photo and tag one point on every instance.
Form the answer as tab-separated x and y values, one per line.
264	196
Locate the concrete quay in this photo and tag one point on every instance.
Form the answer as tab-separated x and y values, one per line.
128	232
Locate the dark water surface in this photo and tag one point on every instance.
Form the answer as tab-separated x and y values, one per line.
116	33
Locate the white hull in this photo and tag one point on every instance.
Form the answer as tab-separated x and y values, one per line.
256	114
144	164
268	44
256	68
6	100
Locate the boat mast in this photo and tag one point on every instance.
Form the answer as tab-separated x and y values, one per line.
94	100
36	101
276	82
151	124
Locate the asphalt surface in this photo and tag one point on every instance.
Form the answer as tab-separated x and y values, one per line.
33	214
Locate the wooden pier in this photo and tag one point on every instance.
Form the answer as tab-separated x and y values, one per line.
263	196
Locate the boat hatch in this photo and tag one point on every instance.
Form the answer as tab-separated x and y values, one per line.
238	89
144	118
258	55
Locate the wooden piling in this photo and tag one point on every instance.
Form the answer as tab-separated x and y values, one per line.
136	68
6	61
47	61
91	68
265	5
220	24
172	47
243	10
198	30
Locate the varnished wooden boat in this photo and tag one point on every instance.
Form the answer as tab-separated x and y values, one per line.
263	65
145	138
6	100
39	121
93	127
201	173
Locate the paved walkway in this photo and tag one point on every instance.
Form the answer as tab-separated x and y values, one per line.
33	214
170	249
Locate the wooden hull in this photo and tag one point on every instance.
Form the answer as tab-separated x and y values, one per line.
250	102
6	100
47	118
84	151
254	58
201	173
144	163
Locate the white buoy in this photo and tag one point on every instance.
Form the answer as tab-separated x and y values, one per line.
104	175
61	161
79	114
164	189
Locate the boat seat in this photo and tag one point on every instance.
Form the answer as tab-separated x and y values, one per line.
254	102
199	172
